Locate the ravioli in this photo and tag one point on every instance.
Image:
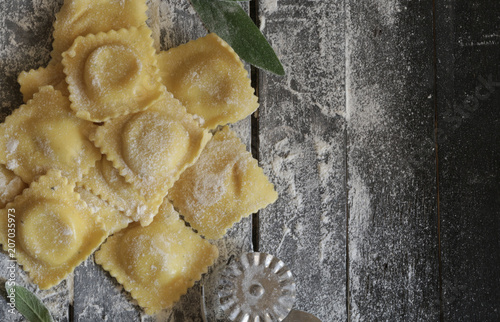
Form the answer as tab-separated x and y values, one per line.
209	79
82	17
112	74
10	186
152	148
225	185
158	263
34	79
112	219
55	230
44	134
106	182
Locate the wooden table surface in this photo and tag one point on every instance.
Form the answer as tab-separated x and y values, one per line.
382	141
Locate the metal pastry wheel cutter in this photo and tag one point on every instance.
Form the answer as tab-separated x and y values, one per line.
258	287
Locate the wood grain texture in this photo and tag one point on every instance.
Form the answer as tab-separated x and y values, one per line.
98	297
468	42
392	228
302	149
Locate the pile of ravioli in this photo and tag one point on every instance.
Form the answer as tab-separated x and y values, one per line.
115	141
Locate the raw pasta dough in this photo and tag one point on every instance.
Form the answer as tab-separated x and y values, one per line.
157	263
34	79
209	79
55	230
225	185
105	181
10	186
112	74
112	219
44	134
152	148
82	17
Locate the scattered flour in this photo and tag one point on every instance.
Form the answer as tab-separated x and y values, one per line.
286	231
269	6
12	164
199	119
389	9
12	145
262	20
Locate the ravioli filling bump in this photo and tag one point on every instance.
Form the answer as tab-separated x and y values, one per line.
55	230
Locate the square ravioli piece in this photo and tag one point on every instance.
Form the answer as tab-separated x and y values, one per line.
112	74
45	134
225	185
153	147
54	230
158	263
82	17
106	182
209	79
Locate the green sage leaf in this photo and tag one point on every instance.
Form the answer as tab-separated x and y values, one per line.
29	305
230	22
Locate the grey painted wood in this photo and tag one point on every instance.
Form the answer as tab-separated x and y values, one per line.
392	228
469	150
98	297
302	150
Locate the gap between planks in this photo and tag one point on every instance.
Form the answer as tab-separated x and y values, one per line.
255	128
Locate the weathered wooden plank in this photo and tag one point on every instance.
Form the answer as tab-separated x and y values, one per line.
98	297
392	229
468	95
302	149
25	36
